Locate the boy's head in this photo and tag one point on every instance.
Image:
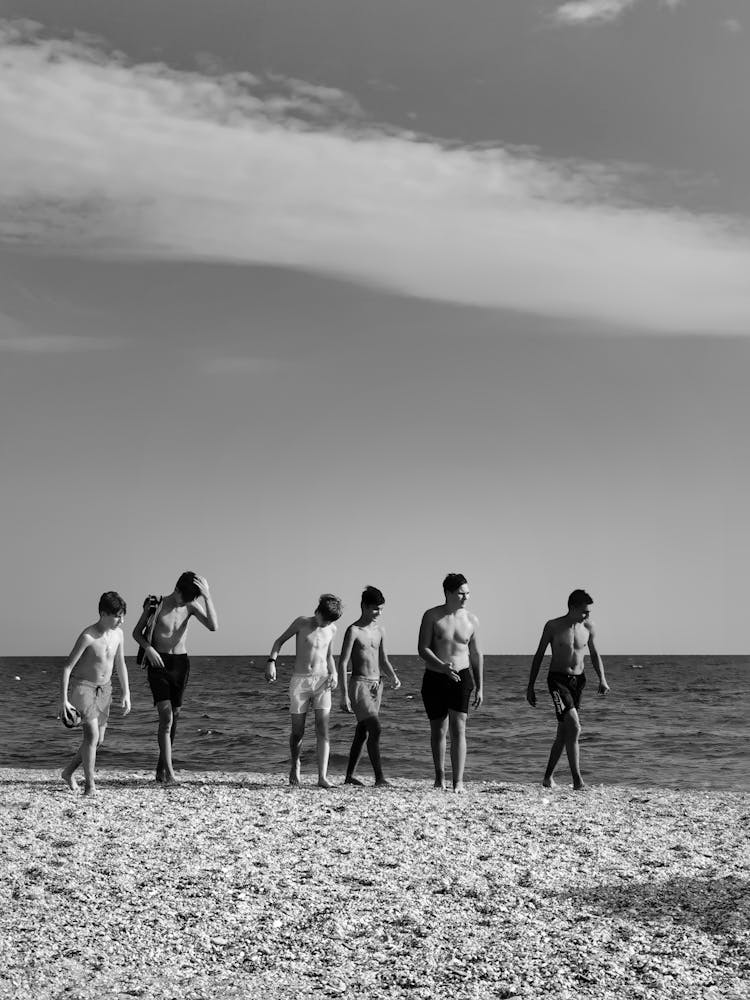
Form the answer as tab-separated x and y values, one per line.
186	587
456	589
329	608
372	602
579	605
111	605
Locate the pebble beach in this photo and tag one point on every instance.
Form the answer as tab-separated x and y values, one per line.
233	885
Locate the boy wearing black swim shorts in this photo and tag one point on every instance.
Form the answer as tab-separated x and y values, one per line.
569	636
449	645
161	633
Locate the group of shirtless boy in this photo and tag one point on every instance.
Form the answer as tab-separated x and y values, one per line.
448	646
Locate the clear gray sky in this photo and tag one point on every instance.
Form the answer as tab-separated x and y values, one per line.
322	293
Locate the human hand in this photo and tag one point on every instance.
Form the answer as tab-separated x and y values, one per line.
202	584
126	704
395	683
603	687
452	672
66	708
531	696
346	706
332	682
271	671
478	698
154	658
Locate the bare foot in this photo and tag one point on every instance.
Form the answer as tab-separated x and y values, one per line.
159	776
170	780
382	783
549	783
579	786
459	789
89	790
324	782
69	779
294	775
439	784
351	780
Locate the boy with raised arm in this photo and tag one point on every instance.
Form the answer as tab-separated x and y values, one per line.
312	680
364	646
161	632
454	667
87	686
569	636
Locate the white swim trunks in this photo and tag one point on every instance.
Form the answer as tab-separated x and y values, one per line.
309	691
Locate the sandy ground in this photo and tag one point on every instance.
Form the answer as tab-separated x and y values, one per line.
233	885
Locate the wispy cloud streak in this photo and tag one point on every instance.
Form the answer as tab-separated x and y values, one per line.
586	11
101	157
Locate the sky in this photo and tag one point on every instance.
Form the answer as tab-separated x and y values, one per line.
317	294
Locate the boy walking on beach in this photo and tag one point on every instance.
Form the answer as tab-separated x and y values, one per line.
569	636
87	685
454	667
364	646
313	679
161	634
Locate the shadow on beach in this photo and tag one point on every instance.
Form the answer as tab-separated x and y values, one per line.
712	905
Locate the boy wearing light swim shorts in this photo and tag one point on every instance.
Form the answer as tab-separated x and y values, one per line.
364	647
312	680
87	685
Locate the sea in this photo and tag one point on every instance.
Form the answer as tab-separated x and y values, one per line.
669	721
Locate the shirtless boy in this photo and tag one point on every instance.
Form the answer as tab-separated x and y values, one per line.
87	685
569	636
364	647
161	633
312	680
454	665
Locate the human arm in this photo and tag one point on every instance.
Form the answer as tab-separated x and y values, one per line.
293	629
151	656
596	660
331	662
476	660
385	663
208	617
344	657
425	652
536	663
122	675
82	643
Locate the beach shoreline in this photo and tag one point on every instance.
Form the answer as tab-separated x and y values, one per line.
234	885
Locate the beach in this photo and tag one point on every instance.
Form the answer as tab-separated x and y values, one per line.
233	885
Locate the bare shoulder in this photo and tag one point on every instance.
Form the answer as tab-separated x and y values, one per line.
87	636
555	624
432	614
474	619
590	628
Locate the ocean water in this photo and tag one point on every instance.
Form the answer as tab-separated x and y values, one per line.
679	721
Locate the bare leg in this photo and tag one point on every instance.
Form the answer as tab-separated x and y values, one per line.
555	753
166	731
88	755
438	735
323	745
373	750
457	723
68	773
360	735
295	746
572	730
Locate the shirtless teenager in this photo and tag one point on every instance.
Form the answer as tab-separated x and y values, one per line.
569	636
364	647
312	680
161	633
449	646
87	686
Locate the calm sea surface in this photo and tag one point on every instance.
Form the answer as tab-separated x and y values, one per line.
671	721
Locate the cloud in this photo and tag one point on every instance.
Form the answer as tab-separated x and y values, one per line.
17	338
584	11
732	25
101	157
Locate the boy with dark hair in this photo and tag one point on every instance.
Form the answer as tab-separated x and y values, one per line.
87	686
364	646
161	634
312	680
569	636
454	667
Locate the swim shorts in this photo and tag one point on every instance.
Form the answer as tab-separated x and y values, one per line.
441	695
168	683
566	691
91	700
365	694
309	691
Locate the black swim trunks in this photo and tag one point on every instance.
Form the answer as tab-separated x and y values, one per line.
169	683
441	694
566	691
